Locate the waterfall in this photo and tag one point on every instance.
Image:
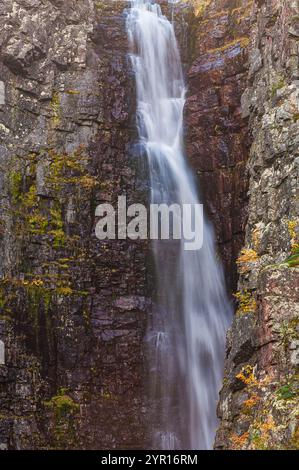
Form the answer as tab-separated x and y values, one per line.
186	335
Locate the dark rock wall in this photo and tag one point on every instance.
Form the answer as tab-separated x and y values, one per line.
73	309
259	400
217	133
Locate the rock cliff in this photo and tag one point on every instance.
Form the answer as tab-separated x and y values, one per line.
73	310
259	399
217	135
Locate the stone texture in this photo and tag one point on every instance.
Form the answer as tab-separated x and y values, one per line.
73	309
259	400
217	133
2	93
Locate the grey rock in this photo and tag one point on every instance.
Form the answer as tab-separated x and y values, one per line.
256	62
246	103
2	353
2	93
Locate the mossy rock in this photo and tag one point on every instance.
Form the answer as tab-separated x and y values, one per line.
62	405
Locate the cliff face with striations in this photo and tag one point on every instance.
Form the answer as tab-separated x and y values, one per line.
72	308
242	140
217	134
259	399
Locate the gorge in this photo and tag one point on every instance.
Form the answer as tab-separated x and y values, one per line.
74	311
187	332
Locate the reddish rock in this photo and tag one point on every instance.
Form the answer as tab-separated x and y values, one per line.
217	137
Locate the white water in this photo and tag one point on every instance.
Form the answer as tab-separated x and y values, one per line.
187	332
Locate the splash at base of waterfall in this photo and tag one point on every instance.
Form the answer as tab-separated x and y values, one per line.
186	335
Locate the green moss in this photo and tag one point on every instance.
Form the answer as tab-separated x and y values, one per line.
5	300
294	441
55	107
200	6
62	405
5	318
57	224
287	333
16	179
72	92
106	395
29	199
70	169
281	83
2	299
38	224
30	219
260	443
64	410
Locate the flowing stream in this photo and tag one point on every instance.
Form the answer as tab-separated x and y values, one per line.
186	336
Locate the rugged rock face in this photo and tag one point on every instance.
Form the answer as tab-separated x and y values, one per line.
73	308
259	399
217	133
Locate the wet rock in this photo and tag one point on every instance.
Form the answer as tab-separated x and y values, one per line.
131	303
266	349
242	344
66	133
217	139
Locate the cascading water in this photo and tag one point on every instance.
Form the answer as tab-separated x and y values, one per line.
186	337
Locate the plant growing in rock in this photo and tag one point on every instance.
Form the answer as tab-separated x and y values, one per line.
64	410
246	260
247	376
278	85
246	302
293	260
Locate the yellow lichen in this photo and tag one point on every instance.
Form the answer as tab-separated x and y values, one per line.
256	239
251	402
247	303
65	291
245	260
295	248
199	6
242	42
238	442
55	107
292	228
247	376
